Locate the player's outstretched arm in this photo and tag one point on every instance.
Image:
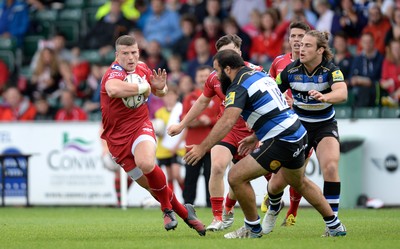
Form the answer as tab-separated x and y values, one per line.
198	107
218	132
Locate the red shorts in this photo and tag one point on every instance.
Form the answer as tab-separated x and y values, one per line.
123	154
233	138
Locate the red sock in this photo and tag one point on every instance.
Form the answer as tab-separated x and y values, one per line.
229	203
216	207
158	184
268	176
294	202
171	185
179	209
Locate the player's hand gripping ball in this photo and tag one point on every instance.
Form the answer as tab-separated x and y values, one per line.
139	99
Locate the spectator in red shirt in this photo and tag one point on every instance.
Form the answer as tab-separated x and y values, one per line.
378	25
390	79
268	44
17	107
4	74
69	111
211	31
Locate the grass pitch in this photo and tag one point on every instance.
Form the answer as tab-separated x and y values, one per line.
87	227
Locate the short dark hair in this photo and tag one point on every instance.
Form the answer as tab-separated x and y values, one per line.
189	18
228	39
300	25
341	34
203	67
126	40
229	58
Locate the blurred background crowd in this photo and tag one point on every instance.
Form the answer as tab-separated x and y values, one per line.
54	53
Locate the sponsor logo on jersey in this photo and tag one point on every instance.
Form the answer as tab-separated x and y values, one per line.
337	76
230	98
278	79
298	77
116	67
115	75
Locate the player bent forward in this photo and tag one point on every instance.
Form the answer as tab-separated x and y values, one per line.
258	99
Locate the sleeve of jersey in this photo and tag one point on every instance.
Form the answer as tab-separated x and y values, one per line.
272	70
282	81
208	90
115	74
336	76
145	70
236	97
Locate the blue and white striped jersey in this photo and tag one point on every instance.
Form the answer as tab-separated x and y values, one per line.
296	77
263	106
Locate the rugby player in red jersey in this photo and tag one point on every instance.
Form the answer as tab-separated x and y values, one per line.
129	132
227	149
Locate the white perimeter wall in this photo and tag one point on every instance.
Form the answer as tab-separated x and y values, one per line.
66	169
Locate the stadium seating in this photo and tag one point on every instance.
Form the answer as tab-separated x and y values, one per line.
343	112
387	112
89	16
367	112
9	59
30	46
94	3
74	4
8	49
91	56
109	57
7	44
44	20
26	72
95	116
69	23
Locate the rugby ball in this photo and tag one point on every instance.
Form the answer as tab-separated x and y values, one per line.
159	127
136	100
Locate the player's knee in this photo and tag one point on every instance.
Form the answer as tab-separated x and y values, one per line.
218	168
145	165
233	180
331	169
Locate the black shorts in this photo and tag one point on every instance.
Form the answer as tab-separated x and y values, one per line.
317	131
167	162
274	154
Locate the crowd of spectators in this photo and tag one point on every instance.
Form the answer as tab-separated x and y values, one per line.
180	35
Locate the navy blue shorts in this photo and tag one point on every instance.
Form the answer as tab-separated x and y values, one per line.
274	154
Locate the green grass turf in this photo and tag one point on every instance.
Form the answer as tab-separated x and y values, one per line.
87	227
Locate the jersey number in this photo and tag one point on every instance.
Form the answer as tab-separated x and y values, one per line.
275	93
